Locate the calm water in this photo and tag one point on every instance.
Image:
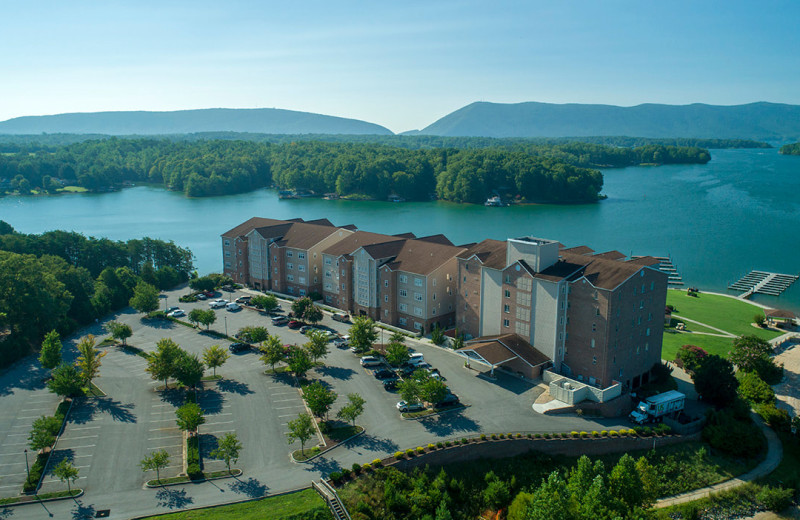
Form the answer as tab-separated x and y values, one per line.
717	221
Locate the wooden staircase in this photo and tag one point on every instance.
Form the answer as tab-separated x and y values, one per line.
331	497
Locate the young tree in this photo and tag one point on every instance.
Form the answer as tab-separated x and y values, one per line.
272	351
432	390
204	283
206	317
748	352
548	501
228	449
267	302
715	381
397	337
188	369
301	429
253	334
161	363
189	417
50	355
396	353
299	362
119	331
690	356
409	390
66	472
145	298
625	483
195	316
299	307
437	335
43	432
312	314
760	319
352	409
317	345
89	360
215	356
362	333
156	461
66	380
319	398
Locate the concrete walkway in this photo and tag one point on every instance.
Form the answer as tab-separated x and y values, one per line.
724	333
770	462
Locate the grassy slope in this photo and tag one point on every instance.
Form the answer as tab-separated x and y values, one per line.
734	316
293	505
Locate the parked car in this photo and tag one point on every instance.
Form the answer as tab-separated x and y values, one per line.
410	407
416	358
171	309
294	324
238	347
340	342
210	294
177	313
370	361
201	296
341	316
280	320
435	374
243	299
449	400
306	328
406	370
389	384
218	304
233	306
385	374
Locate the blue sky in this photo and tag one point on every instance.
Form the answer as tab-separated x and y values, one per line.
399	64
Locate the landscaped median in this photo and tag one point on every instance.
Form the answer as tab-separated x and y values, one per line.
45	497
431	411
214	475
43	438
332	438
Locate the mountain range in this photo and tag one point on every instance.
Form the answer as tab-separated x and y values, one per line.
760	121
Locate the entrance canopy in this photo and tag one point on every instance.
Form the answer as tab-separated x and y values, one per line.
508	350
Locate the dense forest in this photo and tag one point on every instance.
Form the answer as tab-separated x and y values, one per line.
522	170
62	280
790	149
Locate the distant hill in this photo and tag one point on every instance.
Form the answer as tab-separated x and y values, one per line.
260	120
762	121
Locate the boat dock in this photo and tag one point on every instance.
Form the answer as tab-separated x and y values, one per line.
763	282
665	265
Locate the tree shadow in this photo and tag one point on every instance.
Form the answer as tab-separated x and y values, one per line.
211	401
251	487
81	511
61	454
506	382
285	378
173	498
323	465
450	423
234	387
173	396
157	323
87	410
371	442
336	372
26	374
208	443
7	512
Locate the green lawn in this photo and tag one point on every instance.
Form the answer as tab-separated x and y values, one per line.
73	189
306	504
734	316
712	344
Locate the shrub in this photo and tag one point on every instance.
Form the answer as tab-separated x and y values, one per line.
366	467
431	446
399	455
689	357
775	417
510	435
346	473
502	436
448	443
727	430
439	444
775	498
494	436
612	433
546	435
420	449
463	440
604	433
519	435
575	434
483	436
315	450
335	476
410	452
356	468
647	431
324	427
36	473
377	463
595	433
564	435
584	435
194	472
754	389
537	435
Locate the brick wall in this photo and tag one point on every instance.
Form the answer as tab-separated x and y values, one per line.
468	297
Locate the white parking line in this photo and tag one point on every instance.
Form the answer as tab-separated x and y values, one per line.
21	426
286	393
77	447
83	428
216	423
11	486
163	429
160	438
161	405
162	420
283	400
165	447
288	407
67	439
16	434
81	456
15	454
220	431
290	415
219	414
15	444
13	474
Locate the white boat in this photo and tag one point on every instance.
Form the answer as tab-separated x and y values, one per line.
494	202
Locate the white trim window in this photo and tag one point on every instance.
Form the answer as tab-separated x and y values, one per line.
403	278
418	282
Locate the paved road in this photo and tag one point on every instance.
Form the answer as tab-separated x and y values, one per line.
107	437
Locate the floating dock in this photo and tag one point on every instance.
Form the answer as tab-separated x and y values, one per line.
665	265
762	282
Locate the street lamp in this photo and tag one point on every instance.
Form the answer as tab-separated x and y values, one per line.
27	467
226	325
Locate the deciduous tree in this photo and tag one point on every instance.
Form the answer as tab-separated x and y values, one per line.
215	356
715	381
43	432
66	380
66	472
317	345
156	461
353	409
272	351
228	449
50	355
189	417
396	353
362	333
319	398
145	298
119	331
299	361
89	361
161	363
188	369
301	429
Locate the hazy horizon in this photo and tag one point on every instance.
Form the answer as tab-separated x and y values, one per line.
400	66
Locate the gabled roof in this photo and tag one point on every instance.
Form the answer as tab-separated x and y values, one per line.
423	257
306	235
604	273
385	249
611	255
644	260
438	239
255	222
779	313
276	231
356	240
578	250
491	253
405	235
502	348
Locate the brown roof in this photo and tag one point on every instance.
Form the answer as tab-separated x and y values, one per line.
276	231
405	235
356	240
385	249
249	225
578	250
439	239
779	313
605	273
611	255
491	253
504	347
560	270
644	260
423	257
305	235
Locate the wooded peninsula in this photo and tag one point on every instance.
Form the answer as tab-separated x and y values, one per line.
790	149
458	170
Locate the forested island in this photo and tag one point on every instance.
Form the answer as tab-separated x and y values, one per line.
790	149
523	170
62	280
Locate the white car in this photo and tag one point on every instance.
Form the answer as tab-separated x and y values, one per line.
177	313
233	306
218	304
409	407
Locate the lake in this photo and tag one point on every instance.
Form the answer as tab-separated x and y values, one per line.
717	221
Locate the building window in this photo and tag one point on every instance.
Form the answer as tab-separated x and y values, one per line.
403	307
646	346
227	264
506	308
418	282
465	279
652	286
641	304
418	325
403	278
290	266
302	292
523	329
386	298
647	332
650	317
594	327
434	296
386	283
328	298
342	272
290	277
594	360
506	323
327	261
227	242
433	311
434	281
594	295
302	280
593	343
614	360
328	287
227	253
301	256
275	270
508	278
343	287
597	311
507	293
418	311
290	290
403	293
417	297
328	274
402	321
301	268
289	254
